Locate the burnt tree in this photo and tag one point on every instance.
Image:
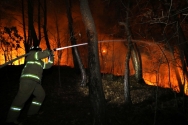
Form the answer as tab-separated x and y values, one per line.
174	17
76	56
45	26
32	36
128	56
39	21
137	63
95	83
26	44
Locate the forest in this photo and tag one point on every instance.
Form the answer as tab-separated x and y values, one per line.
138	44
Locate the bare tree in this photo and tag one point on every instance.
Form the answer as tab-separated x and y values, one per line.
137	63
39	20
127	69
45	26
32	36
26	44
128	56
76	56
10	40
95	83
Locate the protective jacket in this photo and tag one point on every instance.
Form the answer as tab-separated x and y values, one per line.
30	77
34	65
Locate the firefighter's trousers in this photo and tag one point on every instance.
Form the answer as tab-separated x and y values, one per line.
26	89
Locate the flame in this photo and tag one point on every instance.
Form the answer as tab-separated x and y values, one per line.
104	51
155	72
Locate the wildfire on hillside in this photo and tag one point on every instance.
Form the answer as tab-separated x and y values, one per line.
159	68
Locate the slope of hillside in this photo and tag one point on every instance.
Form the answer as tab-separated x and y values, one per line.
67	103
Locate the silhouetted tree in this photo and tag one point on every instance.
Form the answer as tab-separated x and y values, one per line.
95	83
76	56
45	26
26	44
10	40
32	36
128	56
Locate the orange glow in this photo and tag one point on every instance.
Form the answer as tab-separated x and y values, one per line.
104	51
156	70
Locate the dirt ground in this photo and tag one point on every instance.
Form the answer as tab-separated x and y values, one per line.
67	103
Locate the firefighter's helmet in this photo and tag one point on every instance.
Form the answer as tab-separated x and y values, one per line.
35	48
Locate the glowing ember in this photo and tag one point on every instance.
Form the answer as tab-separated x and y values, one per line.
104	51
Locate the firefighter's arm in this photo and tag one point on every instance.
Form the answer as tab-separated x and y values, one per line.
43	54
50	62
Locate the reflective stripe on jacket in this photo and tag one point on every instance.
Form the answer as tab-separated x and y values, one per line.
34	65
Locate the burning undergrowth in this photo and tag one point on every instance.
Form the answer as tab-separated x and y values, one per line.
114	93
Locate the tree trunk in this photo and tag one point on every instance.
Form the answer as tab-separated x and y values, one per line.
30	43
26	44
127	95
126	77
45	25
95	83
137	63
39	25
59	53
128	101
33	36
174	65
76	57
136	58
182	44
182	41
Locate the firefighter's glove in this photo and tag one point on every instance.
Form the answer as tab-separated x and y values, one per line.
51	52
51	59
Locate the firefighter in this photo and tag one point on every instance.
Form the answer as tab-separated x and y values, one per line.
30	83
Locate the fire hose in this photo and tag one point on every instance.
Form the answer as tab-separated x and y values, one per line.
61	48
56	49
